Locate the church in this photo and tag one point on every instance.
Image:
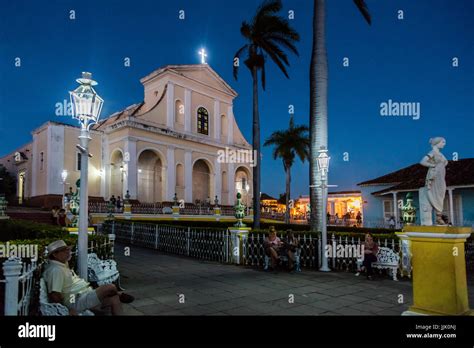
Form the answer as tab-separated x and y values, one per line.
168	143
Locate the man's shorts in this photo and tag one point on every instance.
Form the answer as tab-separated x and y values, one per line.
85	301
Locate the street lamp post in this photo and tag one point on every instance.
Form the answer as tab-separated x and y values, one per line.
87	105
64	174
323	165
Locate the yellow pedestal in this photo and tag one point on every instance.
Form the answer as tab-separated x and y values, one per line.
439	270
127	209
75	230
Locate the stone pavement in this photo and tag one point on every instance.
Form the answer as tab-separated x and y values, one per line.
158	281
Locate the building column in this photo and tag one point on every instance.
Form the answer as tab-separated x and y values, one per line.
105	169
34	165
451	206
170	105
395	209
217	120
187	110
170	174
217	181
55	160
231	183
131	175
230	125
188	176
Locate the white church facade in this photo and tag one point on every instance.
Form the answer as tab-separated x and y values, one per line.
172	142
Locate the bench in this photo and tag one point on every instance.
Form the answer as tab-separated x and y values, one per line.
386	259
297	255
101	271
54	309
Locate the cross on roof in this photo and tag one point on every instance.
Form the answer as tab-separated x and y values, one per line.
203	55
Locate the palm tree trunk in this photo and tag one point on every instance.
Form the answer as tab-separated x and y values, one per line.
318	111
288	188
256	146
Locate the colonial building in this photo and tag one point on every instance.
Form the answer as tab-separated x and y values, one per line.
171	142
384	196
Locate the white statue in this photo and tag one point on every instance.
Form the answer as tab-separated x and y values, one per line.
432	194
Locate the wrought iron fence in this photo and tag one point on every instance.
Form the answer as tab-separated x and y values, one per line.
202	243
254	251
162	208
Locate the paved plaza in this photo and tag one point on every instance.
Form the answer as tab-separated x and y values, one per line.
158	281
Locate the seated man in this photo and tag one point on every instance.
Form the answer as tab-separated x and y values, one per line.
272	246
65	287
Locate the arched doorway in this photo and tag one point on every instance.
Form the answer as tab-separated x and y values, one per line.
117	171
201	181
243	185
150	177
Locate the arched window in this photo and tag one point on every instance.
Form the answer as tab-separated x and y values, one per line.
203	121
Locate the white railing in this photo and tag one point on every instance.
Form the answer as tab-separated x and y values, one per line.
19	283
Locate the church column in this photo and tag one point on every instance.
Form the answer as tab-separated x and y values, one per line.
230	125
105	169
217	120
170	105
451	206
395	209
188	177
217	181
130	178
187	110
170	174
231	183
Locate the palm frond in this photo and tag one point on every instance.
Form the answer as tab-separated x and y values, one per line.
364	10
237	55
276	54
268	7
284	42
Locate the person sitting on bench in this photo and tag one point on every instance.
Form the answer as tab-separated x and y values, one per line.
272	246
370	255
289	248
65	287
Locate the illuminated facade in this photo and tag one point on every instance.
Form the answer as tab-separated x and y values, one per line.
168	143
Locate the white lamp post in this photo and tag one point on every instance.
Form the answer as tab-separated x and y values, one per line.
323	166
64	174
87	106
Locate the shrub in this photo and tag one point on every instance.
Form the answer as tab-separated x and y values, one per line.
22	229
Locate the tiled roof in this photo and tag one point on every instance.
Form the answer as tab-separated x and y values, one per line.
264	196
128	111
458	173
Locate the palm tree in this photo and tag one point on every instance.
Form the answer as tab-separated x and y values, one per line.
267	35
287	145
318	107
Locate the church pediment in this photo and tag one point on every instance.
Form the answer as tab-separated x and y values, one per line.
199	73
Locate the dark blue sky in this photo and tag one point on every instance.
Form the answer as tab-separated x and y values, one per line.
403	60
